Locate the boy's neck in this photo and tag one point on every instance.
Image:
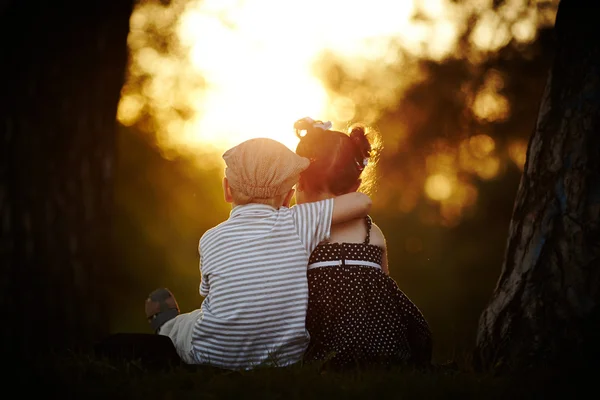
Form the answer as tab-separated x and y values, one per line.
234	205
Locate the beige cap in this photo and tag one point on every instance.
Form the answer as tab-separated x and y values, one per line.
263	168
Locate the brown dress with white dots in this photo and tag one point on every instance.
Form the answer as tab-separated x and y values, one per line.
357	314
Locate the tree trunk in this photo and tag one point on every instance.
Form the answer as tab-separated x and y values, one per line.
545	307
63	65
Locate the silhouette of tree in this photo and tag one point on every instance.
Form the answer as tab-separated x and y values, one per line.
63	66
546	306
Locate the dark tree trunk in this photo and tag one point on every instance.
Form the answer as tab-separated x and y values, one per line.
545	308
63	64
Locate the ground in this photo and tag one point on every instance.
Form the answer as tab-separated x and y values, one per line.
87	376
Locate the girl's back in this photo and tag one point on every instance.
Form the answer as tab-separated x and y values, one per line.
356	312
355	231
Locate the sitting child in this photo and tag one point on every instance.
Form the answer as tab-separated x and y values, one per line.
357	314
253	266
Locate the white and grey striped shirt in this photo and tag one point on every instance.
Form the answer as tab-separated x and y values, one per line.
253	269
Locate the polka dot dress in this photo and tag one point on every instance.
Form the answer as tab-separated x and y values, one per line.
357	314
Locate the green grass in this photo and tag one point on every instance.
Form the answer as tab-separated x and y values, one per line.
87	377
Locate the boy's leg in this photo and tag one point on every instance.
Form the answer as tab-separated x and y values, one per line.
162	312
180	330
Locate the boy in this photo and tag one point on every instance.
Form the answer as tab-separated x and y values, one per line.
253	266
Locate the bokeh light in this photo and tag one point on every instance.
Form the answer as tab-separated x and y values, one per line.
236	69
438	187
517	151
205	75
489	104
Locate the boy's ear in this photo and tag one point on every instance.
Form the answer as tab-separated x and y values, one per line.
227	191
288	198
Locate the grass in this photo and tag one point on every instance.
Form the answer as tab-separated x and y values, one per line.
88	377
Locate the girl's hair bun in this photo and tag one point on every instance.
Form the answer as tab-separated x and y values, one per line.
338	159
309	125
303	125
359	137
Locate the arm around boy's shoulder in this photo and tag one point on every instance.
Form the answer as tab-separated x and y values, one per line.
313	222
350	206
315	210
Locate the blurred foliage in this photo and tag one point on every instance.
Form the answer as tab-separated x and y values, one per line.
454	130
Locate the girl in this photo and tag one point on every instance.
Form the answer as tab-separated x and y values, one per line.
356	312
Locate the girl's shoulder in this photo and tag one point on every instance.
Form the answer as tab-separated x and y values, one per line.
377	238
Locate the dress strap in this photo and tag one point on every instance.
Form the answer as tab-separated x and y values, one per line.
369	223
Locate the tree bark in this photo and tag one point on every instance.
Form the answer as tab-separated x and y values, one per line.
63	65
545	308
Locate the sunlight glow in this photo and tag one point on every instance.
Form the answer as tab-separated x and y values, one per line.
130	108
490	33
257	60
215	72
204	75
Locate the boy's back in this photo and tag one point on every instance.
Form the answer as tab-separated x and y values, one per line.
254	276
253	266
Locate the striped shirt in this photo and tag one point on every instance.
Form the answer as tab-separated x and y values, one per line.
253	268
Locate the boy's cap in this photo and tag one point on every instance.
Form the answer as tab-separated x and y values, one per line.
263	168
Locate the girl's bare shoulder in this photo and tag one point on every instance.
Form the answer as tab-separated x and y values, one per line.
377	237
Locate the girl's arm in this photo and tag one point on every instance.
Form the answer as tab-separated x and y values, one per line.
350	206
378	239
